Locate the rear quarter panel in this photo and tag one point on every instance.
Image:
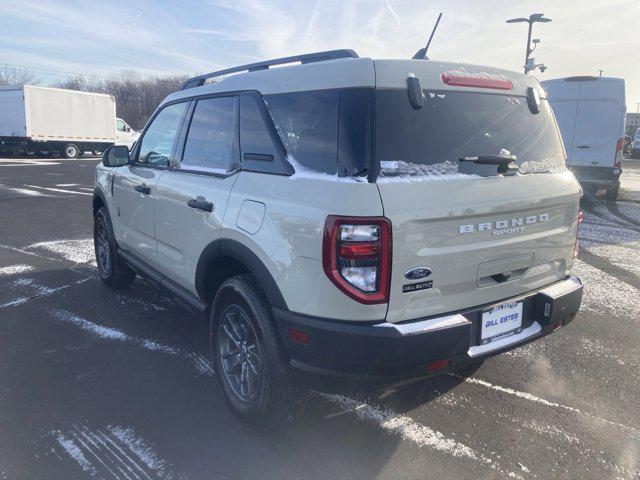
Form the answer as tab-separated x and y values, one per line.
289	241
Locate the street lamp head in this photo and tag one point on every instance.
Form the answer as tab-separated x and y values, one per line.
538	17
535	40
517	20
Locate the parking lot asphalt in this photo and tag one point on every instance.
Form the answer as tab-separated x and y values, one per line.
98	384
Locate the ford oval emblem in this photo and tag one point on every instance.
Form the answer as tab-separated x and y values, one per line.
417	273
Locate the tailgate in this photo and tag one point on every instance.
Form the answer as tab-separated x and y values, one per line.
484	240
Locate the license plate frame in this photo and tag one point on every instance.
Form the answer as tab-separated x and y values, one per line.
501	320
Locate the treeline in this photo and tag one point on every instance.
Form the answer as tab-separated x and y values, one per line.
136	97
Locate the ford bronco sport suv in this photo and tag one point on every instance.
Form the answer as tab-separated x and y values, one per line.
347	218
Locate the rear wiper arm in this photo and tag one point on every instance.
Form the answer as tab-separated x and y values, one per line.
506	163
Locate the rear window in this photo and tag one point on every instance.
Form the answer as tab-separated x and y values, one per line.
452	125
326	131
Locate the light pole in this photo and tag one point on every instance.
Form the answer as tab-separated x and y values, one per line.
533	18
637	112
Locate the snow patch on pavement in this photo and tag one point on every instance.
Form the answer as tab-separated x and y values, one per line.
409	430
199	362
76	251
76	454
115	452
13	269
604	294
533	398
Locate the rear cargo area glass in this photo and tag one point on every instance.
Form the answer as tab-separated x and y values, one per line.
452	125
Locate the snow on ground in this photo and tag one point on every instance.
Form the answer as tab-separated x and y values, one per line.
76	251
199	362
14	269
604	294
118	452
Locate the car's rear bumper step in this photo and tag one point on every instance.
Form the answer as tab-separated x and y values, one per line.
386	353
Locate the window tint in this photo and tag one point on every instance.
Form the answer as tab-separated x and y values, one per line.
158	141
307	123
211	141
452	125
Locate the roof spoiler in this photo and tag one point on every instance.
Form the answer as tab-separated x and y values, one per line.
581	78
252	67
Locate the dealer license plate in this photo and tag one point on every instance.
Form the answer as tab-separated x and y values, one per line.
501	321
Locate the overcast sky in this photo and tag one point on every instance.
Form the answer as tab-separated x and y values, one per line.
157	36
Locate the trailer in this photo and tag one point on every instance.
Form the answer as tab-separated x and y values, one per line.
41	121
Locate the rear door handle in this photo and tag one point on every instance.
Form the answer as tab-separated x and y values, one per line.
584	146
143	189
200	203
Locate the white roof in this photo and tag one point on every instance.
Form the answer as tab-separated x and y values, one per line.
358	72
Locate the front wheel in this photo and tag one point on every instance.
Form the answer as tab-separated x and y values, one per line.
112	268
249	360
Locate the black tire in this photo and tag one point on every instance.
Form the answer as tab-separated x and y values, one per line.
81	153
612	193
70	150
112	268
44	152
30	151
270	396
96	153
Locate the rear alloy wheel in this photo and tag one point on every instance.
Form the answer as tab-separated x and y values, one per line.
240	353
249	360
70	151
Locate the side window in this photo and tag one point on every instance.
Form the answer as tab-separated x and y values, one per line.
260	152
211	143
120	125
159	139
308	126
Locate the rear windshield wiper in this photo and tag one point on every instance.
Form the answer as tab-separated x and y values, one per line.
506	163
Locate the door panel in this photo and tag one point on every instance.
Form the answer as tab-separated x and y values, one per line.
134	186
135	209
183	232
192	198
596	134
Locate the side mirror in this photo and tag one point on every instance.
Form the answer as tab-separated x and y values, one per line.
416	97
127	128
115	156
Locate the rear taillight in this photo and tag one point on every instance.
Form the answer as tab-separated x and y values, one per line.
356	256
617	163
576	246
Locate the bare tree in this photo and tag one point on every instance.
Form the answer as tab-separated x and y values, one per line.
15	76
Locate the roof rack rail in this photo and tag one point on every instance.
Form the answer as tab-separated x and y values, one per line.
252	67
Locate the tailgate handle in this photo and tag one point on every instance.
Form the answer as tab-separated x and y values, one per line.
501	277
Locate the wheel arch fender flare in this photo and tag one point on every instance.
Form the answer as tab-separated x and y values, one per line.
99	196
233	249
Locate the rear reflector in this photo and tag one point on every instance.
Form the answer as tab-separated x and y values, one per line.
438	365
298	336
478	82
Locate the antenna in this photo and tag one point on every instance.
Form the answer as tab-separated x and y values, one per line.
422	53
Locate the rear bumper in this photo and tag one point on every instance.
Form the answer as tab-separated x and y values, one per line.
600	177
386	353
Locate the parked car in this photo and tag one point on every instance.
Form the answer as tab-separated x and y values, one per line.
347	220
43	121
591	113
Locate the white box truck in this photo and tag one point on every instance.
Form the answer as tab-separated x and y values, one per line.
591	114
41	121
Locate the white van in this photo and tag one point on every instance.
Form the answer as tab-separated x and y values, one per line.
591	114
